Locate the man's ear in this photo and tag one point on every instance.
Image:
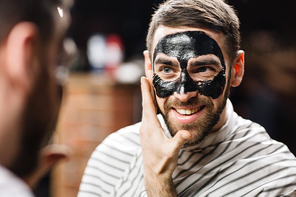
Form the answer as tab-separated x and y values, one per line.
148	65
20	56
238	69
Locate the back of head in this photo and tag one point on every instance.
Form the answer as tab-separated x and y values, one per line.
215	15
33	127
37	11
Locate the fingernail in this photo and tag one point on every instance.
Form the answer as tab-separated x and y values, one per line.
142	80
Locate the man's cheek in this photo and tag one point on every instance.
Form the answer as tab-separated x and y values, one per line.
163	88
212	88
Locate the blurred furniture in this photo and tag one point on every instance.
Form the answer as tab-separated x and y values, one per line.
94	107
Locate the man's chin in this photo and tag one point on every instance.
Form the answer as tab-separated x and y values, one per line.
199	129
197	138
198	134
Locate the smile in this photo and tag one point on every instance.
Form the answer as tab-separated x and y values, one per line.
189	111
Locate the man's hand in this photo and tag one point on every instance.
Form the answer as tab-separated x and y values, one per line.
160	154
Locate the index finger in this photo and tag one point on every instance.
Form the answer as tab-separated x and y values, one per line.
149	109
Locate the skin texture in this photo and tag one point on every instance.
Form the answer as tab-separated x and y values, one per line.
160	153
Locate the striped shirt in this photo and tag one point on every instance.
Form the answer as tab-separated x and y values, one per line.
238	160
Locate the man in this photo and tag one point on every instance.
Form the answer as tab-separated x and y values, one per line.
197	146
31	37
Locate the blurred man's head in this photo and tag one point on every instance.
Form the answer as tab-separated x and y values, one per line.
193	49
31	41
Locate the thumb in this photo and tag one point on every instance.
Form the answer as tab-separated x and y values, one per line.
181	138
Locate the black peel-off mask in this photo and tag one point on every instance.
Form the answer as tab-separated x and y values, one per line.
184	46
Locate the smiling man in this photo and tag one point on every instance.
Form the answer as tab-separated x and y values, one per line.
197	145
185	64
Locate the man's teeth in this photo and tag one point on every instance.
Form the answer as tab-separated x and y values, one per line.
188	111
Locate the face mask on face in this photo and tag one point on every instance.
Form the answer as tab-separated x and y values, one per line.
185	46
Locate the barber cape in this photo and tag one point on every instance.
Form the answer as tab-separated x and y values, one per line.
238	160
12	186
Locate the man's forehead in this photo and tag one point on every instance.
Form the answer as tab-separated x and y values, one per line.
163	31
187	45
186	42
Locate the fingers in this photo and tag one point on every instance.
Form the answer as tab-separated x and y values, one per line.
149	109
181	138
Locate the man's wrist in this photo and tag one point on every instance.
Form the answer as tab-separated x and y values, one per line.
159	186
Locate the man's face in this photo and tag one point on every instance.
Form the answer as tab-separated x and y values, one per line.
52	58
190	79
43	104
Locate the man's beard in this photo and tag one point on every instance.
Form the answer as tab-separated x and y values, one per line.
39	120
200	128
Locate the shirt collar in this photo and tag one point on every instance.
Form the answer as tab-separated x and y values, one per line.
11	185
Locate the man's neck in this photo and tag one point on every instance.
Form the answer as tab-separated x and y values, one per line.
222	121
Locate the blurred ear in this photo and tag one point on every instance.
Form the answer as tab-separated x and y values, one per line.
49	157
148	65
20	54
238	69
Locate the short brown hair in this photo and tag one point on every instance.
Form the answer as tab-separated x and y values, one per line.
37	11
213	14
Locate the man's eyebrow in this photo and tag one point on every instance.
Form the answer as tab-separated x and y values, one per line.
165	61
206	62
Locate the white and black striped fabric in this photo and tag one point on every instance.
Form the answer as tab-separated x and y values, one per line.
238	160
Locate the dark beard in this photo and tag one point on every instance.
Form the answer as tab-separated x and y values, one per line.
199	129
39	120
202	127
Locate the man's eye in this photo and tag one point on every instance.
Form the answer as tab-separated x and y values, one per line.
167	70
202	69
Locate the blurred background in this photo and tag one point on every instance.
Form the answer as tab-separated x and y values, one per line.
103	94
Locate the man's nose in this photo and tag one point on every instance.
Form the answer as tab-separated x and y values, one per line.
184	97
